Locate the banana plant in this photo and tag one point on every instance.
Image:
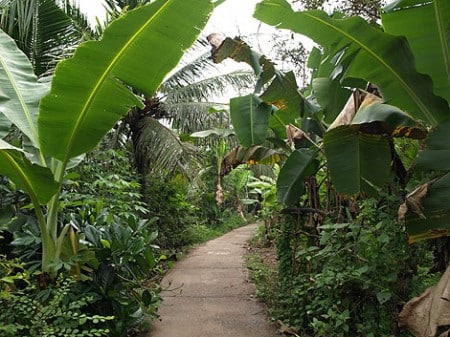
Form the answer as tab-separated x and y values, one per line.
281	106
89	93
358	142
397	60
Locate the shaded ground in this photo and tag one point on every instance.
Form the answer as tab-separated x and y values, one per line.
211	294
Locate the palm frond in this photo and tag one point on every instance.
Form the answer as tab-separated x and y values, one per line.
190	117
115	8
188	71
79	20
42	29
5	3
159	149
216	85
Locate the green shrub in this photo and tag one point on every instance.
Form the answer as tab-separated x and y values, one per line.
114	256
53	312
166	200
126	271
350	279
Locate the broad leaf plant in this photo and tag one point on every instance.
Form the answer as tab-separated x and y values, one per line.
371	85
89	93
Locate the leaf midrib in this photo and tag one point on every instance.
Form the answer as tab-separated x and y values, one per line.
252	129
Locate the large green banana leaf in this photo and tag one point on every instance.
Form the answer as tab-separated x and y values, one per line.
357	161
301	164
90	91
20	91
376	57
384	119
36	180
250	117
281	89
426	26
327	84
283	93
331	96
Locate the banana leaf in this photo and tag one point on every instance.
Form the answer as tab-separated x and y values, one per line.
357	161
280	89
331	96
250	117
239	51
426	26
436	155
90	92
385	119
20	90
250	155
376	56
36	180
290	105
291	181
433	220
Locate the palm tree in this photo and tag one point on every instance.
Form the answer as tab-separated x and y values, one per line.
45	30
186	102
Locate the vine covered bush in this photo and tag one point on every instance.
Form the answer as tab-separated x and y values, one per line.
352	278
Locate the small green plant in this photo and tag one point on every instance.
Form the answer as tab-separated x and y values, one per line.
176	216
50	313
11	272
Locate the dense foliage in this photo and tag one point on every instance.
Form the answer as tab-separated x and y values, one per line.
351	279
364	173
86	229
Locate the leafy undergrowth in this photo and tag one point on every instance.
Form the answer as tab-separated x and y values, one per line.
351	282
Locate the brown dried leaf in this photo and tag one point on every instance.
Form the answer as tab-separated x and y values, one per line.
287	330
294	133
358	99
402	210
413	201
422	315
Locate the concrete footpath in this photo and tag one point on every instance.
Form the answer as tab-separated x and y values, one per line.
211	294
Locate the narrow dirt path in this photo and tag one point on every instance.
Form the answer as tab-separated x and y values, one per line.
213	296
